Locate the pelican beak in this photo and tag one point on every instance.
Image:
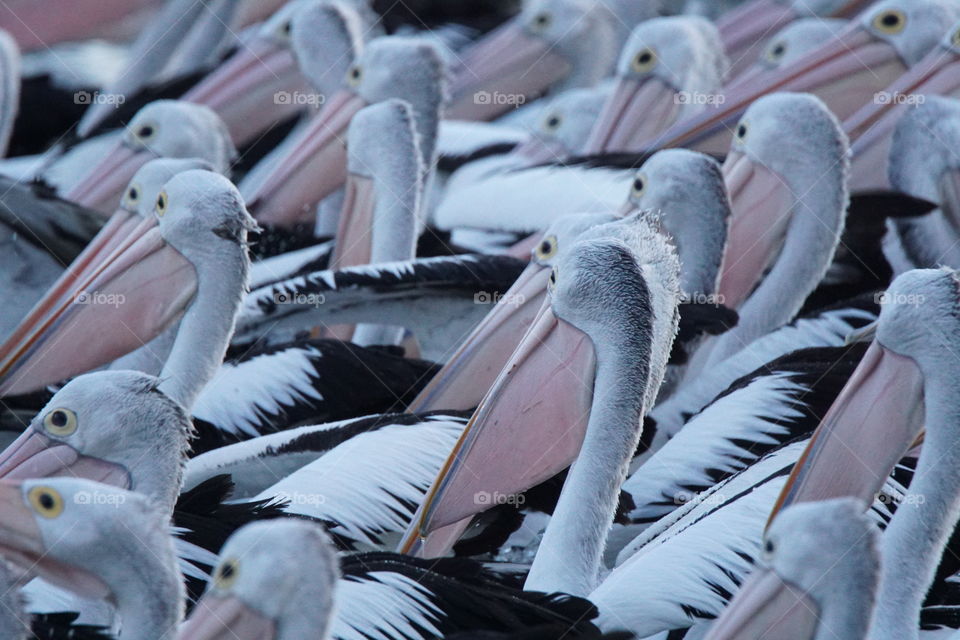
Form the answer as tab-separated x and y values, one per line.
871	128
767	607
102	187
119	229
247	91
142	288
472	370
34	455
354	245
845	73
761	203
537	150
529	427
21	543
745	29
636	112
871	425
226	618
40	25
508	67
313	169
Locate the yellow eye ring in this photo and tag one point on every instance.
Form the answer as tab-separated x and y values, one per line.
891	21
131	198
226	574
644	60
542	20
162	203
546	249
354	75
60	422
639	186
46	501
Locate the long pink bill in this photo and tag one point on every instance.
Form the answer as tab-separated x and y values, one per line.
528	428
314	168
103	185
507	68
637	111
144	289
226	617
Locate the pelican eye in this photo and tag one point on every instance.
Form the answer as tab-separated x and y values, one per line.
776	52
162	203
768	548
542	20
354	75
955	39
552	122
742	130
60	422
46	501
285	29
639	186
226	574
546	249
644	61
145	132
890	22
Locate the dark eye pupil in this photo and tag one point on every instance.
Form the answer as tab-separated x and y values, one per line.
638	184
355	73
553	122
46	501
891	20
741	131
544	247
778	50
286	27
59	419
644	58
227	571
768	547
146	132
542	19
133	194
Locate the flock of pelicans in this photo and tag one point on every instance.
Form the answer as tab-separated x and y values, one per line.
607	319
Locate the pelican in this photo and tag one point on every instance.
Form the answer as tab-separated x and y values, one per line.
745	29
910	346
268	80
42	533
288	193
551	45
871	127
369	595
922	164
167	129
683	190
669	69
793	42
846	72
